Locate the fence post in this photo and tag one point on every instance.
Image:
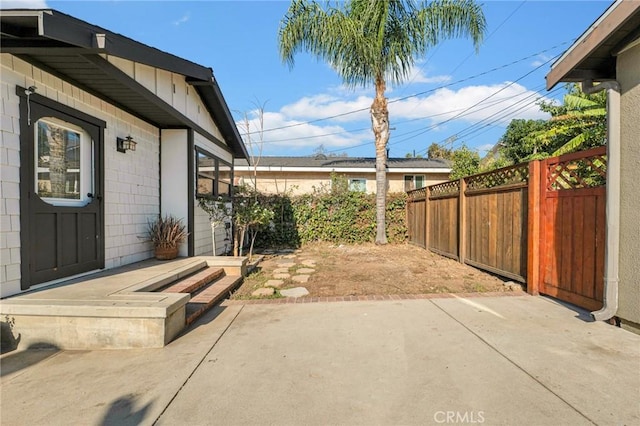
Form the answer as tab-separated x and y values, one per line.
462	221
533	228
427	193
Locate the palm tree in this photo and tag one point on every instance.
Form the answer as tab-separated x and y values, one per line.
375	42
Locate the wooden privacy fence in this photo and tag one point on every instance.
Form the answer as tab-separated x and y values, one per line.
541	223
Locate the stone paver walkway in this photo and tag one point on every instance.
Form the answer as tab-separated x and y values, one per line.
290	271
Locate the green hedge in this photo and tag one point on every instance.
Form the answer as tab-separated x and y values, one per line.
338	217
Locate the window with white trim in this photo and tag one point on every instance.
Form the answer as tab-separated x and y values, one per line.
358	184
64	163
412	182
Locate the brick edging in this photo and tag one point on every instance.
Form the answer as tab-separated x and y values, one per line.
298	300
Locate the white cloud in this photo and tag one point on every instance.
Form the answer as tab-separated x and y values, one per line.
497	104
324	105
297	135
24	4
182	20
417	75
471	104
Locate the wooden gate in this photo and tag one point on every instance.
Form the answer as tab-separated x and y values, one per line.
416	217
572	227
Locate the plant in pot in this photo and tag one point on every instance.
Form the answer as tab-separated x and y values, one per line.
166	234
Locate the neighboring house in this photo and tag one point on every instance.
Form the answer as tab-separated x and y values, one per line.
76	194
300	175
608	54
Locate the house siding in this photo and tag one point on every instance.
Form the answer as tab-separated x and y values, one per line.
10	179
171	88
628	64
203	241
132	179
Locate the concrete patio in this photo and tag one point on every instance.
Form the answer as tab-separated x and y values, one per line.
491	360
117	308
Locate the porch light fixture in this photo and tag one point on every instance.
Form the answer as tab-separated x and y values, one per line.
126	144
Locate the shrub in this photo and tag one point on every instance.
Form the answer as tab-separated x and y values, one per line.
338	216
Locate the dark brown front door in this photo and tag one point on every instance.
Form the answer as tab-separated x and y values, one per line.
61	180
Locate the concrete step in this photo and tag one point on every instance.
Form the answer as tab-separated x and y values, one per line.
195	282
209	295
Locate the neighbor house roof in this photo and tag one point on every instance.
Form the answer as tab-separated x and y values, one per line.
345	164
73	50
592	56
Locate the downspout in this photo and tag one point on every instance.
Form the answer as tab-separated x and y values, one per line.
611	279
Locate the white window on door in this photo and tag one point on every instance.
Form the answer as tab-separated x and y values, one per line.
412	182
63	157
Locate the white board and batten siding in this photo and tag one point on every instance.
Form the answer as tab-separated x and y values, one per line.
171	88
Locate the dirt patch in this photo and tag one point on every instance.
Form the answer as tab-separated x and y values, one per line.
363	270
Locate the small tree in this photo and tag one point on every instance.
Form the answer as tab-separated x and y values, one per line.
249	215
255	146
465	163
436	150
219	211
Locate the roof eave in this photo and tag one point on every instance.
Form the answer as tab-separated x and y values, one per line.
567	67
73	36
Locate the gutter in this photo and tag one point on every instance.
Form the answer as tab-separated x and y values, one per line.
612	248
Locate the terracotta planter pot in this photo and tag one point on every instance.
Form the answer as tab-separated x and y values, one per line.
166	253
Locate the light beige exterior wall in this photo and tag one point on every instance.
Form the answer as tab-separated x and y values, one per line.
628	75
296	183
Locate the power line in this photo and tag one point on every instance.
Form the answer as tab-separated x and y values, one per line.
481	101
492	33
369	128
469	113
501	115
415	94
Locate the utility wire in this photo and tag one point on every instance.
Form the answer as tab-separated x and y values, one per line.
395	123
479	102
467	129
415	94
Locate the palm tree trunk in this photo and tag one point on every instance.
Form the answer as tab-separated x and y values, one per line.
380	127
57	162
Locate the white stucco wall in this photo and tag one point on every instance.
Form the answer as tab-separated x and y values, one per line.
628	75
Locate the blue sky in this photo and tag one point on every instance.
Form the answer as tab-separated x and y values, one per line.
454	95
